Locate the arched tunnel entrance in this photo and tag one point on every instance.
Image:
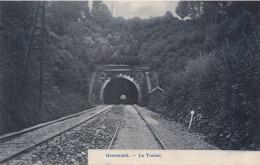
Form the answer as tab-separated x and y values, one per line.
118	87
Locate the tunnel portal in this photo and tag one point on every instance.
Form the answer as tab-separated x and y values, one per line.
118	87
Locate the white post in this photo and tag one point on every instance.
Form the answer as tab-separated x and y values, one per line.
191	117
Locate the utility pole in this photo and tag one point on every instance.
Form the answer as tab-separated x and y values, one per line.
41	53
36	34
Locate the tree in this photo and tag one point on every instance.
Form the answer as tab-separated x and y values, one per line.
214	11
100	13
195	9
100	9
182	9
15	22
62	14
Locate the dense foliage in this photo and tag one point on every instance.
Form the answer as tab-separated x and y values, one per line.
207	62
64	72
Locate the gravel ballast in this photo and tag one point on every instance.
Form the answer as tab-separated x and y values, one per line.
27	139
134	133
174	135
71	147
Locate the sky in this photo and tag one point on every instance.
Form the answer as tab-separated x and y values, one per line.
142	9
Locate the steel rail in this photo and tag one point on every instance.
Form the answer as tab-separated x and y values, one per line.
12	136
152	130
115	134
27	149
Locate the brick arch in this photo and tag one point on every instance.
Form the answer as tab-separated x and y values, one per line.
129	78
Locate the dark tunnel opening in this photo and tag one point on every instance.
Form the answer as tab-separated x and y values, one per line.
118	87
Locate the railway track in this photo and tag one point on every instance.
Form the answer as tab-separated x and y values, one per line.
116	132
152	130
15	145
147	124
16	134
11	148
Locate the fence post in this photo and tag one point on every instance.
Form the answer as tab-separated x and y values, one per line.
191	117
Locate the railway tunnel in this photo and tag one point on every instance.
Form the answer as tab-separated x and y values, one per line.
109	82
118	87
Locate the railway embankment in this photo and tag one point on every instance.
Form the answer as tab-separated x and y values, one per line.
174	135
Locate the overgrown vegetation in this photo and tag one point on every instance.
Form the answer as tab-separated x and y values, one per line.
222	83
65	72
207	62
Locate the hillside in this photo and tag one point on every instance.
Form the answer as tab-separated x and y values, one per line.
208	62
